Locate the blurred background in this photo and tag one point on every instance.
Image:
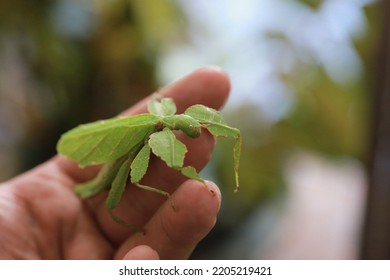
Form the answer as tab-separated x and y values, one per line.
303	81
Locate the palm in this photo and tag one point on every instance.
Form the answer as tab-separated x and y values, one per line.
48	221
40	217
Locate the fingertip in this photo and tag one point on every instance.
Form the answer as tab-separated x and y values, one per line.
175	234
208	85
217	76
215	191
197	210
141	252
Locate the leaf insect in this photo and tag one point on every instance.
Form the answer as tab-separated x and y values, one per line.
124	145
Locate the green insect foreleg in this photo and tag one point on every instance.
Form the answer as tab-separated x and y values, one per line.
214	123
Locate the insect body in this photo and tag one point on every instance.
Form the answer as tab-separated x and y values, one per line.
124	145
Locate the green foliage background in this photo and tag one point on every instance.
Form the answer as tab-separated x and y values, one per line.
75	76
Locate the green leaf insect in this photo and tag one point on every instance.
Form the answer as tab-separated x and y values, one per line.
124	145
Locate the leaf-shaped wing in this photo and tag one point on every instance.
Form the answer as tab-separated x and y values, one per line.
212	119
107	140
165	145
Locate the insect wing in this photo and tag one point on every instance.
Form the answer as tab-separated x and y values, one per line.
107	140
165	145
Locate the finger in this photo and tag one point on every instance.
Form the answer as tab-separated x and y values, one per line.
174	234
138	205
141	252
209	86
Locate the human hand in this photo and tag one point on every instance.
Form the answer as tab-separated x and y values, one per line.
42	218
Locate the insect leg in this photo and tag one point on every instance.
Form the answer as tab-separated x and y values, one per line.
166	146
214	123
102	181
151	189
139	167
190	172
117	188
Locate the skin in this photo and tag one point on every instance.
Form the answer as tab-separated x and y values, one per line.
41	217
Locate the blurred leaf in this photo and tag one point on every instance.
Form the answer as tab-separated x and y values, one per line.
157	20
327	117
314	4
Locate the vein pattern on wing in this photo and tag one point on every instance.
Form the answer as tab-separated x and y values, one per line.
107	140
